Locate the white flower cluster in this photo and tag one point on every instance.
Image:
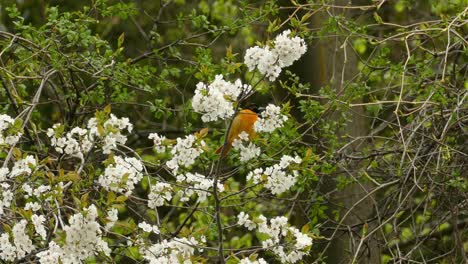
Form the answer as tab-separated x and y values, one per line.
279	232
275	177
289	49
75	143
122	175
21	245
270	119
79	141
178	250
38	222
111	131
264	60
54	255
215	101
7	250
5	122
6	197
198	184
83	240
248	261
269	62
243	220
112	217
185	152
158	142
159	194
246	152
36	192
23	166
34	206
148	228
3	174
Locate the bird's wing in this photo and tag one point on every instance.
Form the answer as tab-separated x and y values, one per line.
244	121
236	128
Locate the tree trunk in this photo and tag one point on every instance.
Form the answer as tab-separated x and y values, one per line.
341	66
332	61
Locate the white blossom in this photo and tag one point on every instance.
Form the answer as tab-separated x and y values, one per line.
75	143
83	237
111	133
3	173
197	184
34	206
264	60
269	62
243	220
83	240
288	49
40	190
275	178
21	245
302	240
7	249
215	101
5	123
247	152
148	228
177	250
248	261
37	192
270	119
21	240
53	255
122	175
286	242
112	217
185	152
23	166
159	194
28	189
158	142
6	197
38	222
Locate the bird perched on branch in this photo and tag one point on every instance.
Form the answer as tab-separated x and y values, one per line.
243	121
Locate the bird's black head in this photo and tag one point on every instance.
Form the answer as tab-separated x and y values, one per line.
254	108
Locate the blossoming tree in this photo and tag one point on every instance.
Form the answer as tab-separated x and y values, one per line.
82	193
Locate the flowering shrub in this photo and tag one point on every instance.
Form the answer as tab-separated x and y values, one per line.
269	62
83	236
75	204
246	152
216	100
7	123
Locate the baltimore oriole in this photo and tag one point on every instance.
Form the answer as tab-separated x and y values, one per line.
243	121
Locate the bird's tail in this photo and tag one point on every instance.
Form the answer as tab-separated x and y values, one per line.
227	147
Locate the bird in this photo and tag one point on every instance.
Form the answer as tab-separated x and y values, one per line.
243	121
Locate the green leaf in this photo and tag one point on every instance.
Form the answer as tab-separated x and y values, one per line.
120	40
107	109
121	199
377	18
110	197
360	45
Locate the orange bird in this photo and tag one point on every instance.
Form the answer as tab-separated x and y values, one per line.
243	121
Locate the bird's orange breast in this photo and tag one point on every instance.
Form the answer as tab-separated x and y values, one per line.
244	121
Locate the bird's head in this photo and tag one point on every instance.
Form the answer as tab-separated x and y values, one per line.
254	108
